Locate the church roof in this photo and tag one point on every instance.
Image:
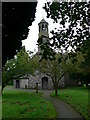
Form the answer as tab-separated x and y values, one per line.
43	21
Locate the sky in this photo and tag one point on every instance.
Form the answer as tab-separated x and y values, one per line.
31	41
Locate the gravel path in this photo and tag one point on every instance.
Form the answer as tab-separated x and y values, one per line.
63	109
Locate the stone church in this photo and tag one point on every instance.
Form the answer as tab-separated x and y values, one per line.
44	81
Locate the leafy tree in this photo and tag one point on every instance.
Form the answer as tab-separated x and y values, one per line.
55	69
16	18
72	33
76	72
73	22
21	65
81	68
7	72
86	63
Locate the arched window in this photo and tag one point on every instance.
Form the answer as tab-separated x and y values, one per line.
42	27
45	26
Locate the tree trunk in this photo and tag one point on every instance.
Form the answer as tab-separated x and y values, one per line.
2	89
56	92
56	88
3	86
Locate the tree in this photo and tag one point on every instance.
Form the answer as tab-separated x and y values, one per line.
21	65
86	63
16	18
81	67
7	72
55	69
76	72
73	30
72	33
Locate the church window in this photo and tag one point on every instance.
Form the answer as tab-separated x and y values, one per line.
46	26
42	27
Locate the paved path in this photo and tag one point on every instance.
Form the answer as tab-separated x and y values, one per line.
63	109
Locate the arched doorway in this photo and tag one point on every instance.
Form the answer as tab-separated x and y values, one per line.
44	83
17	84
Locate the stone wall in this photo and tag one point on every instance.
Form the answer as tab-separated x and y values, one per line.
30	81
61	83
24	83
14	83
38	79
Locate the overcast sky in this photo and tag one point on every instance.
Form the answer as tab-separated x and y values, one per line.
31	41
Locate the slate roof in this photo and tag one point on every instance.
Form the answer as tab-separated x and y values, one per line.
42	21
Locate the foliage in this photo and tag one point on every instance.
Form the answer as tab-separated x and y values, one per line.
26	105
47	52
86	63
81	68
10	82
71	34
7	73
55	69
76	72
86	52
69	64
73	30
21	65
16	18
77	97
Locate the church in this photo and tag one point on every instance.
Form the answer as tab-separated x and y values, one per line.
44	81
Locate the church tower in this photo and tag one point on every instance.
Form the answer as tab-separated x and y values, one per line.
43	31
43	28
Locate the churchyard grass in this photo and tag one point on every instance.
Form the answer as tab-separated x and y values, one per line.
21	104
77	97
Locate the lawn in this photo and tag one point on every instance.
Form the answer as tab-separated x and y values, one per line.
77	97
20	104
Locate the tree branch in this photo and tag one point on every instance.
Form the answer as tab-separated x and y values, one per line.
62	76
